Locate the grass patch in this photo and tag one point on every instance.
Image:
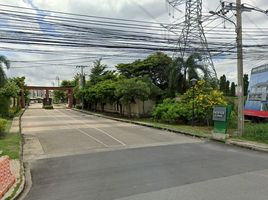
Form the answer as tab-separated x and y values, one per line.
256	132
203	131
10	143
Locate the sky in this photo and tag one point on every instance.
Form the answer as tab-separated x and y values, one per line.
255	25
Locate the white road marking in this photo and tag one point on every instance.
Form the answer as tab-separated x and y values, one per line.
83	132
102	131
110	136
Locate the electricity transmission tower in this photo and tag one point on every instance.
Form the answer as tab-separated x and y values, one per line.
192	38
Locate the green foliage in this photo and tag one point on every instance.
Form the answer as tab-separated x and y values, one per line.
4	106
14	111
6	62
10	89
78	106
130	89
233	120
246	83
59	96
154	67
232	90
204	99
10	145
256	132
49	107
3	124
171	111
97	71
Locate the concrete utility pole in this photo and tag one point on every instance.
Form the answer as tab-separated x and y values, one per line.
58	79
239	8
240	82
82	80
226	7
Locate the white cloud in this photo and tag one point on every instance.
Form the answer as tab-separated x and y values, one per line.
147	10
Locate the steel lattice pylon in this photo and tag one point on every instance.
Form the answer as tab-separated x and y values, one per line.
192	38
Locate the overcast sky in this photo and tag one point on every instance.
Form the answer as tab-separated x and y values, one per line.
147	10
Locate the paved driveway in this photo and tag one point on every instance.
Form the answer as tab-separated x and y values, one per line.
59	132
75	156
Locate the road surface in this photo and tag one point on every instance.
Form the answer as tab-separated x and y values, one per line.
83	157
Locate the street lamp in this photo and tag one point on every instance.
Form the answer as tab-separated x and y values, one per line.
193	82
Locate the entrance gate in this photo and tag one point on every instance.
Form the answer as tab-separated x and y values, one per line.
47	89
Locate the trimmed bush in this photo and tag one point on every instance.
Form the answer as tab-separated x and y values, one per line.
49	107
3	124
13	111
78	106
4	106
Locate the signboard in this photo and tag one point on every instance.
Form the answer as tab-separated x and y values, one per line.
258	89
219	113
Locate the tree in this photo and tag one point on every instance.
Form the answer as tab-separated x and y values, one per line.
246	83
97	71
3	60
20	82
128	90
154	67
103	92
227	88
188	69
232	90
223	83
175	77
9	90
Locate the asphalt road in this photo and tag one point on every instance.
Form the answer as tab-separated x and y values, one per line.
138	164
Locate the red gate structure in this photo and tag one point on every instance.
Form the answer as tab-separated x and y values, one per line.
47	89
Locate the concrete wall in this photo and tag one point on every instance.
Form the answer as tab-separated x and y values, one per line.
136	109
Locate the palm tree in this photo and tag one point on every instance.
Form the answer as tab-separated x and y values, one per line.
3	60
181	70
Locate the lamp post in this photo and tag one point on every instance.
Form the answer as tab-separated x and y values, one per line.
193	82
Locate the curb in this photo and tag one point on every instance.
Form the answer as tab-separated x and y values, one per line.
250	146
141	123
237	143
21	183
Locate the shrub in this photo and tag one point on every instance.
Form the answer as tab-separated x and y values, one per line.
13	111
4	106
48	107
78	106
171	111
204	99
3	124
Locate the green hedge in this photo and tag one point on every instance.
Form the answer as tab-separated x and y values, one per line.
3	124
4	106
78	106
49	107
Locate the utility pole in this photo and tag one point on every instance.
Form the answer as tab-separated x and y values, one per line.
239	8
58	79
82	80
240	82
